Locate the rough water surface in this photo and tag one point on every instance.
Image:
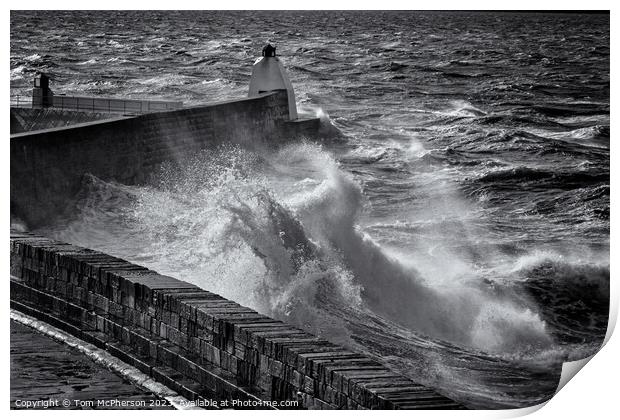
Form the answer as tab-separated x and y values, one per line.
460	233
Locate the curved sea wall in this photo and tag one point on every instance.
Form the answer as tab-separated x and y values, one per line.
47	166
193	341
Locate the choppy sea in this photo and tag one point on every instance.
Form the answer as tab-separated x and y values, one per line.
458	232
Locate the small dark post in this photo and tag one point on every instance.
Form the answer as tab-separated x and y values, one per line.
41	93
269	51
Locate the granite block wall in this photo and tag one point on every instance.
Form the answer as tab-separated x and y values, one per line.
197	342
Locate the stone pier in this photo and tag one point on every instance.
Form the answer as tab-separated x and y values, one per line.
198	343
48	164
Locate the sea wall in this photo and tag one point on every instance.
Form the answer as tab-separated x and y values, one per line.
47	166
196	342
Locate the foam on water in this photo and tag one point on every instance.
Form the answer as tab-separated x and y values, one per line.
218	223
460	232
279	232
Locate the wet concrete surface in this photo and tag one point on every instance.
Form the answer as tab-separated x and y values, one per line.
48	374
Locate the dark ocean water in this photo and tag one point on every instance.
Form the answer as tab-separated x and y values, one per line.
459	233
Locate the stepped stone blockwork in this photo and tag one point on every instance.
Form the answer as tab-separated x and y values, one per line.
196	342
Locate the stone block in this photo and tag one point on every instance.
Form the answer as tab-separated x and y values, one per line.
210	353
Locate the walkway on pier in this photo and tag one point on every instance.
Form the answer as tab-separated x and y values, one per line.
43	369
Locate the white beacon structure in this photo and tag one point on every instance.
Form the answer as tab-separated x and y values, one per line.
268	75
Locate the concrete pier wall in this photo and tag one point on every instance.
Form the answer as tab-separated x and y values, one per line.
193	341
47	166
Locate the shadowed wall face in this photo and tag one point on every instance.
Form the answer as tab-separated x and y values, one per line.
47	166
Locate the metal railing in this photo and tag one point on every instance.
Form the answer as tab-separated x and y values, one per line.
95	104
21	101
